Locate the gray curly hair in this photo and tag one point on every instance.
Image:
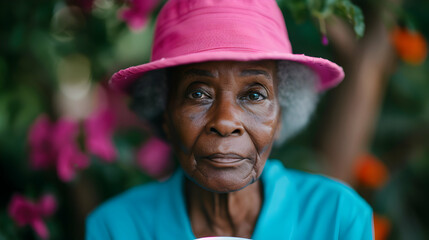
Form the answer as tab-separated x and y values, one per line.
297	96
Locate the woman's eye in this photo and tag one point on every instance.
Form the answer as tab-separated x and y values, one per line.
254	96
198	94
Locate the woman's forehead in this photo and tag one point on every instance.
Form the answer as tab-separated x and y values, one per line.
213	68
216	69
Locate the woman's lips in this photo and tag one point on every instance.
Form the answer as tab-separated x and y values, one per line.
229	157
224	160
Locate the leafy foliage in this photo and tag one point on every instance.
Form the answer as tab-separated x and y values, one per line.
38	35
323	9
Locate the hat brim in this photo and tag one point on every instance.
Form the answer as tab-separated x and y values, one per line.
330	74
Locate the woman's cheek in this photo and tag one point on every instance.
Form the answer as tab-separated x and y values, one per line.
265	110
263	126
266	114
189	123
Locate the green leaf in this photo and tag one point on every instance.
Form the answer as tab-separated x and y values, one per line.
297	8
322	9
351	13
315	5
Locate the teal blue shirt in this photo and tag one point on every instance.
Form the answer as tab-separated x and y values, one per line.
296	205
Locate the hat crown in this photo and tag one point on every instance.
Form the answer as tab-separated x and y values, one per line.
191	26
191	31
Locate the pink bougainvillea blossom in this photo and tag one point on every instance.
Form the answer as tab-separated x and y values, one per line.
325	40
99	132
39	139
55	145
70	159
117	102
64	132
154	158
25	212
47	205
111	113
137	15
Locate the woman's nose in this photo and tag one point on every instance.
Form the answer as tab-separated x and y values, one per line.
225	120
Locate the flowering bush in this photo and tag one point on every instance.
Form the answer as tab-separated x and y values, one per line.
154	157
24	211
137	14
410	45
63	131
370	171
55	145
99	132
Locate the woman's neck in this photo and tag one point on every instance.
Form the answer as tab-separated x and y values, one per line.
224	214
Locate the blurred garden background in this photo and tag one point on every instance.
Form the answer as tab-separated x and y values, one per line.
68	142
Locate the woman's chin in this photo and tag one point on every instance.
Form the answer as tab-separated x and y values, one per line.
223	181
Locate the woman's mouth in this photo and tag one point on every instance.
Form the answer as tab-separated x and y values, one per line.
224	159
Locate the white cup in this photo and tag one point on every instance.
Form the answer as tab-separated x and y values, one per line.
222	238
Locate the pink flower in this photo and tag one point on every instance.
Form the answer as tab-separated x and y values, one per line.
154	158
64	132
55	145
70	159
24	212
41	154
325	40
117	102
111	112
48	205
138	13
99	131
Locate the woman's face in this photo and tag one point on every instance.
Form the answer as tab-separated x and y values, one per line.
222	119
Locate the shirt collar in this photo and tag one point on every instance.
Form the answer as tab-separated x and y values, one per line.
278	215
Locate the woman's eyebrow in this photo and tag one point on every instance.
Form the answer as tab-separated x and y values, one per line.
198	72
251	72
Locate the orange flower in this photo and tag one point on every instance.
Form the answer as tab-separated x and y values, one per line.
382	227
370	171
410	45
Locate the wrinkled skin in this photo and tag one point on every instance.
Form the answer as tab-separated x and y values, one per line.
222	118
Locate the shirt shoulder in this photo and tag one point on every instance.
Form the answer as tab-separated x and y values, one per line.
323	188
131	199
126	216
325	206
310	185
330	204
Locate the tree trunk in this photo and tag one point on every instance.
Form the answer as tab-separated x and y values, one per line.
348	125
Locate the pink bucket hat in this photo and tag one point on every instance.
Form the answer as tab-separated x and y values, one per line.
191	31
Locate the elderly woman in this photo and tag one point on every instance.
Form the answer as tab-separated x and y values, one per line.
222	87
